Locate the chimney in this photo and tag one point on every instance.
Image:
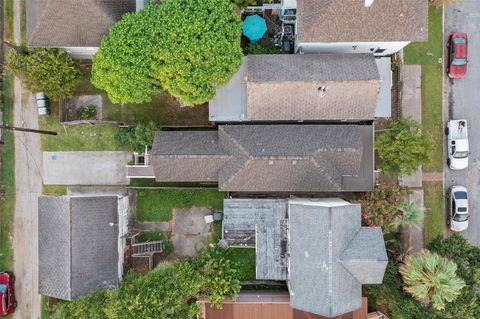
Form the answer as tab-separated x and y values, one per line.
368	3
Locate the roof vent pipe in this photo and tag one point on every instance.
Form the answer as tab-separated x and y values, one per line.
368	3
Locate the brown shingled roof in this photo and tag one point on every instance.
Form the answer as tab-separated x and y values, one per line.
72	23
269	158
351	21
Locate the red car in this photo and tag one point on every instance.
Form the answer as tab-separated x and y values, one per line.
8	303
457	55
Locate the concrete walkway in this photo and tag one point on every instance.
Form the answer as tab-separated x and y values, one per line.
411	107
85	168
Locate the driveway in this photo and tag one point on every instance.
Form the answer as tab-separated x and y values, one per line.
85	168
462	98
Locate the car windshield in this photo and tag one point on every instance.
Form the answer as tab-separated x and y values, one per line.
461	195
460	154
3	288
460	217
459	40
459	62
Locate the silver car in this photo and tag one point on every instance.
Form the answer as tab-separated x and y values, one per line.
458	208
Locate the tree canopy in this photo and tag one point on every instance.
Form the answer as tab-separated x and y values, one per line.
185	47
403	148
169	291
51	71
430	277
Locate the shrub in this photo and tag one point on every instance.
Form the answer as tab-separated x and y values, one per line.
257	48
403	148
380	207
136	138
47	70
87	112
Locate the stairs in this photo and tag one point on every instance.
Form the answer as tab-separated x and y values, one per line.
147	248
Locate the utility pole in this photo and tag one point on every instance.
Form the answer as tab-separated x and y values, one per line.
30	130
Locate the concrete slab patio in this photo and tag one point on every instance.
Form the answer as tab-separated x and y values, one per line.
191	232
85	168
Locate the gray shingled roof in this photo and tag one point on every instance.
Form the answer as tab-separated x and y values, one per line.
302	87
269	158
351	21
331	256
260	224
78	249
72	23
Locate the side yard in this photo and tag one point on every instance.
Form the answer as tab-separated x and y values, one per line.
429	56
7	179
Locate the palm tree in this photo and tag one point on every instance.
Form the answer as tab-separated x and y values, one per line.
432	278
410	215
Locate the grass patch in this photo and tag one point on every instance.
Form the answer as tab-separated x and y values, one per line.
157	205
54	190
44	309
23	22
150	182
150	236
163	109
8	22
434	208
7	179
245	259
427	54
85	137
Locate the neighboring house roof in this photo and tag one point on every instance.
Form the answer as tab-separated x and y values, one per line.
266	305
269	158
317	245
329	248
351	21
293	87
262	224
78	249
72	23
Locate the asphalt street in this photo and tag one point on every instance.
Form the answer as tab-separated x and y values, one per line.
462	101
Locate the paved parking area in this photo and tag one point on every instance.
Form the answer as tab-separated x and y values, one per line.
462	99
85	168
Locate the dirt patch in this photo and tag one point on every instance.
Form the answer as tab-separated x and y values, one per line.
191	233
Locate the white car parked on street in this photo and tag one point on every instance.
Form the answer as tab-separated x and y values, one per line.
457	144
458	208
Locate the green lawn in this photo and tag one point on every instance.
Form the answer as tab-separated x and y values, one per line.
151	236
434	208
245	259
163	109
8	23
7	179
84	137
44	311
54	190
428	54
157	205
23	22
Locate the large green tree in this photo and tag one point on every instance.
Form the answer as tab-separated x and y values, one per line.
51	71
186	47
169	292
403	148
432	278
